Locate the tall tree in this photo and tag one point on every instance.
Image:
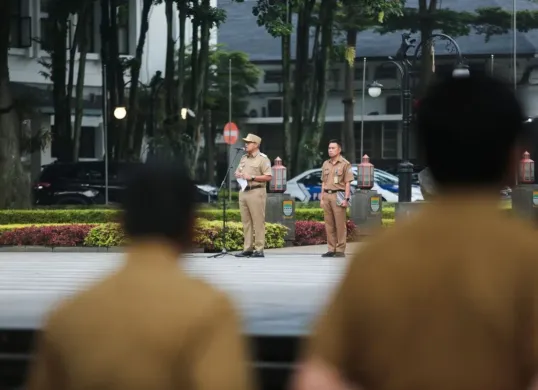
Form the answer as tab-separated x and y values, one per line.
355	16
82	42
14	182
313	57
136	64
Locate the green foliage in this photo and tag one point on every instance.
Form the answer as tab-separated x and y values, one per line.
491	21
273	16
95	216
208	235
245	77
48	216
360	15
447	21
106	235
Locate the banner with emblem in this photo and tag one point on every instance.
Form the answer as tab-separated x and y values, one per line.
287	208
375	204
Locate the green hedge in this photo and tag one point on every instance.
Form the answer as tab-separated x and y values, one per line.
9	217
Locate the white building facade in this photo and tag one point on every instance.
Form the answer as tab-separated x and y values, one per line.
28	37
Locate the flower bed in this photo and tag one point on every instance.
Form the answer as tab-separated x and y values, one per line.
82	216
208	235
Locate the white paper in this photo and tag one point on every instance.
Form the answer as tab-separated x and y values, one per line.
242	182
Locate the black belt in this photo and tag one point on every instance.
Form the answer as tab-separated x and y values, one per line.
333	191
252	188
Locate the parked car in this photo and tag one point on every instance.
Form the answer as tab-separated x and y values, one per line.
307	186
83	183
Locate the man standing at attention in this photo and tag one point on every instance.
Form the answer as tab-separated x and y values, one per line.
448	299
336	179
255	168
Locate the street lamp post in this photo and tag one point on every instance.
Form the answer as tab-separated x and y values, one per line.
404	65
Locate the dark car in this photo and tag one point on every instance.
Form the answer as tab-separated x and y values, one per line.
83	183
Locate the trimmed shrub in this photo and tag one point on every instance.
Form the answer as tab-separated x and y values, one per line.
96	216
48	216
52	236
208	235
313	233
106	235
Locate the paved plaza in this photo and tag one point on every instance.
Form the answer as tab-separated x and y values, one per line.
278	295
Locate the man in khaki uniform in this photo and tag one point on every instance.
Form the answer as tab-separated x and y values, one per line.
449	298
150	325
254	167
337	176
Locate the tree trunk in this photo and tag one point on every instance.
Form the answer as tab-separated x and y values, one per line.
72	57
202	84
194	53
115	84
209	135
299	76
135	77
287	95
170	65
349	100
311	136
61	102
82	36
14	182
182	15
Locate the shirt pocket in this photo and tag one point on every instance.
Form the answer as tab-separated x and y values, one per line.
325	175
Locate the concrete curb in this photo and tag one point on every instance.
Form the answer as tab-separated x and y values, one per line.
68	249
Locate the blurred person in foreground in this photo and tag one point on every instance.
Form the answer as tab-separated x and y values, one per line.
449	299
149	325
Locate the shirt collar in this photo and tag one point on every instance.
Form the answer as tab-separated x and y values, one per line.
254	154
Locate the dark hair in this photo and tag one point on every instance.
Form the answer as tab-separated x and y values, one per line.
337	142
159	202
468	128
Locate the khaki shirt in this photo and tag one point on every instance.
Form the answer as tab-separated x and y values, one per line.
257	164
149	326
341	169
447	300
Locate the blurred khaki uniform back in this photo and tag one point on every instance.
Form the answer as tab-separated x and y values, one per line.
445	301
149	326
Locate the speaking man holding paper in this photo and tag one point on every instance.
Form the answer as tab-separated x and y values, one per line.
255	168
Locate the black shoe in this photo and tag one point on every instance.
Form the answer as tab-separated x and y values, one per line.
328	254
244	254
258	254
339	254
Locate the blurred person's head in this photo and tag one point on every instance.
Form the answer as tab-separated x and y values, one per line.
159	204
469	128
335	148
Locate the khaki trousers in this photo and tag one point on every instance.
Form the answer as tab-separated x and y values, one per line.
335	223
252	207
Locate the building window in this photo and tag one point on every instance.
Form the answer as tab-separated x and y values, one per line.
386	72
20	34
91	29
46	27
274	108
272	77
394	105
389	140
87	142
358	73
122	20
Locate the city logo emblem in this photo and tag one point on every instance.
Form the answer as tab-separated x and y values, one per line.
535	198
287	208
375	204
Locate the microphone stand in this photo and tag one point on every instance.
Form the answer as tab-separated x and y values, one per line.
224	251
